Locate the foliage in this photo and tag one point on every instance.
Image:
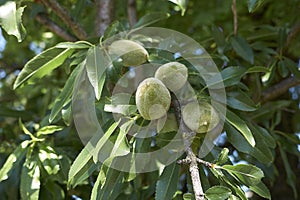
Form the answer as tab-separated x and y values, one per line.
42	157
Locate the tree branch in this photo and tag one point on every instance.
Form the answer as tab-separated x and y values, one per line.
188	136
131	11
293	33
66	18
43	19
104	13
279	89
235	17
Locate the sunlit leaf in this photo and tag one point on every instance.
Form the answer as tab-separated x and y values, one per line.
74	45
254	5
182	4
42	64
13	160
65	95
120	109
248	174
240	125
46	130
11	20
96	64
30	180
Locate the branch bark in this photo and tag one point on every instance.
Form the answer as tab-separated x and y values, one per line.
279	89
104	13
235	17
66	18
191	158
131	11
43	19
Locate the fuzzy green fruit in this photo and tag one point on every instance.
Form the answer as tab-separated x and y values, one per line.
132	53
200	117
174	75
152	99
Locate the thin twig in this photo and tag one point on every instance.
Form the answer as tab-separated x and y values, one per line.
131	11
43	19
188	136
235	17
104	13
279	89
66	18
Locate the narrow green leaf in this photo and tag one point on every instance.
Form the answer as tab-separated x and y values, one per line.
111	187
247	174
290	175
113	29
42	64
46	130
240	125
223	157
229	76
13	160
120	109
79	163
74	45
30	180
219	38
243	49
65	95
96	64
254	5
166	186
181	4
50	159
261	151
151	18
8	112
218	193
11	20
257	69
103	139
261	189
240	101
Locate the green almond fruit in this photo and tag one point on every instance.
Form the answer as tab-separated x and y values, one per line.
200	117
131	53
174	75
153	99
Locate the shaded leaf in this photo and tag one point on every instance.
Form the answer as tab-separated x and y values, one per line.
42	64
151	18
261	189
217	193
11	20
229	76
254	5
13	160
243	49
166	185
218	35
240	101
8	112
240	125
248	174
30	180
